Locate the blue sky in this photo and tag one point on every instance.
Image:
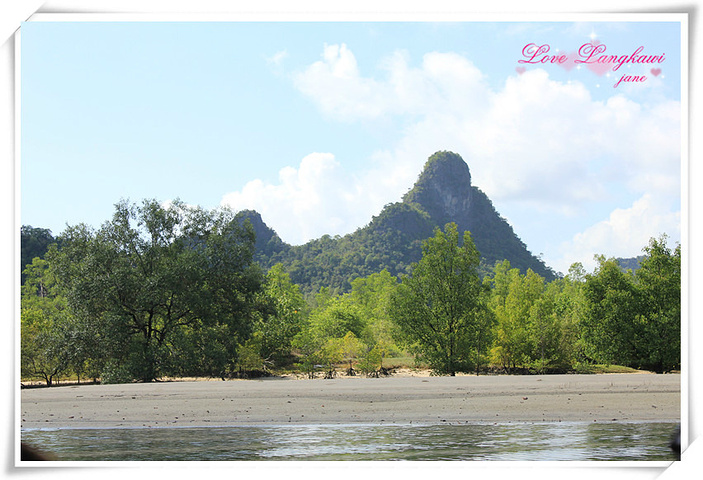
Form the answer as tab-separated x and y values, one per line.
318	125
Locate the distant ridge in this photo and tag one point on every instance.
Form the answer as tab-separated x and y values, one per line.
392	240
632	263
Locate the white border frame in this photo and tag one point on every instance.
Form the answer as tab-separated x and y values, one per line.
272	12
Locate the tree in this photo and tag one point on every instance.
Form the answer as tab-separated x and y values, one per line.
276	328
309	348
45	326
337	316
439	308
634	319
320	340
153	271
609	329
547	334
351	348
570	308
659	285
512	298
372	361
34	244
372	296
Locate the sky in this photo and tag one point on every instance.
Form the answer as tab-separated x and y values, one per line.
318	125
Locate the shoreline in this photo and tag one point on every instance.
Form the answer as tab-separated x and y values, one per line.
255	426
394	372
407	399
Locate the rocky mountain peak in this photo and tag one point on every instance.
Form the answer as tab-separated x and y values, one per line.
267	239
444	186
393	239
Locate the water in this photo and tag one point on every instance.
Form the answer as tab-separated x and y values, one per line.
544	441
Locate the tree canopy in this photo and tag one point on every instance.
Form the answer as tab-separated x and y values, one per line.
154	272
441	306
174	290
634	318
34	243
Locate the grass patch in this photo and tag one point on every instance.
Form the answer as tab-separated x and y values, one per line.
408	361
598	368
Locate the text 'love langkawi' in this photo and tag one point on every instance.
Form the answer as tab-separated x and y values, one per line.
592	55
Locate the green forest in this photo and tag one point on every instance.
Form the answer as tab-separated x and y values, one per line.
161	292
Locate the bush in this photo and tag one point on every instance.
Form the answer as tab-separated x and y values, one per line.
113	373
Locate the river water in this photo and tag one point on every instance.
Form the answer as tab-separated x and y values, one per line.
575	441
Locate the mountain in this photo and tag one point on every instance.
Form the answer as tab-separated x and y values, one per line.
34	242
445	192
630	263
392	240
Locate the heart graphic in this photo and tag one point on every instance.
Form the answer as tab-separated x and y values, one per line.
569	63
520	70
599	68
656	71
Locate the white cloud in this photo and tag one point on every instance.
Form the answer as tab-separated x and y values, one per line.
534	140
337	87
444	82
276	61
624	234
318	197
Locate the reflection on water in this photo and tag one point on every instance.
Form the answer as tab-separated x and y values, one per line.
544	441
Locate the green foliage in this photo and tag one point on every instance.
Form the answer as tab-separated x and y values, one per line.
440	308
113	373
309	348
372	296
326	336
659	282
350	348
174	291
50	346
336	317
200	350
549	335
372	360
634	319
609	328
281	319
45	326
249	358
34	243
536	322
349	327
630	263
512	298
153	272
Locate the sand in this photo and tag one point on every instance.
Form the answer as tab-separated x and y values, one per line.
395	399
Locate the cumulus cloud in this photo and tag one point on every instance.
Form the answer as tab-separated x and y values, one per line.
316	198
550	141
623	234
532	140
338	89
444	82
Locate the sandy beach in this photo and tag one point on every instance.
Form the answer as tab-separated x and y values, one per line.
395	399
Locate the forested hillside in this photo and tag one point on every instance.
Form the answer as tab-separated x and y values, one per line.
34	242
392	240
630	263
